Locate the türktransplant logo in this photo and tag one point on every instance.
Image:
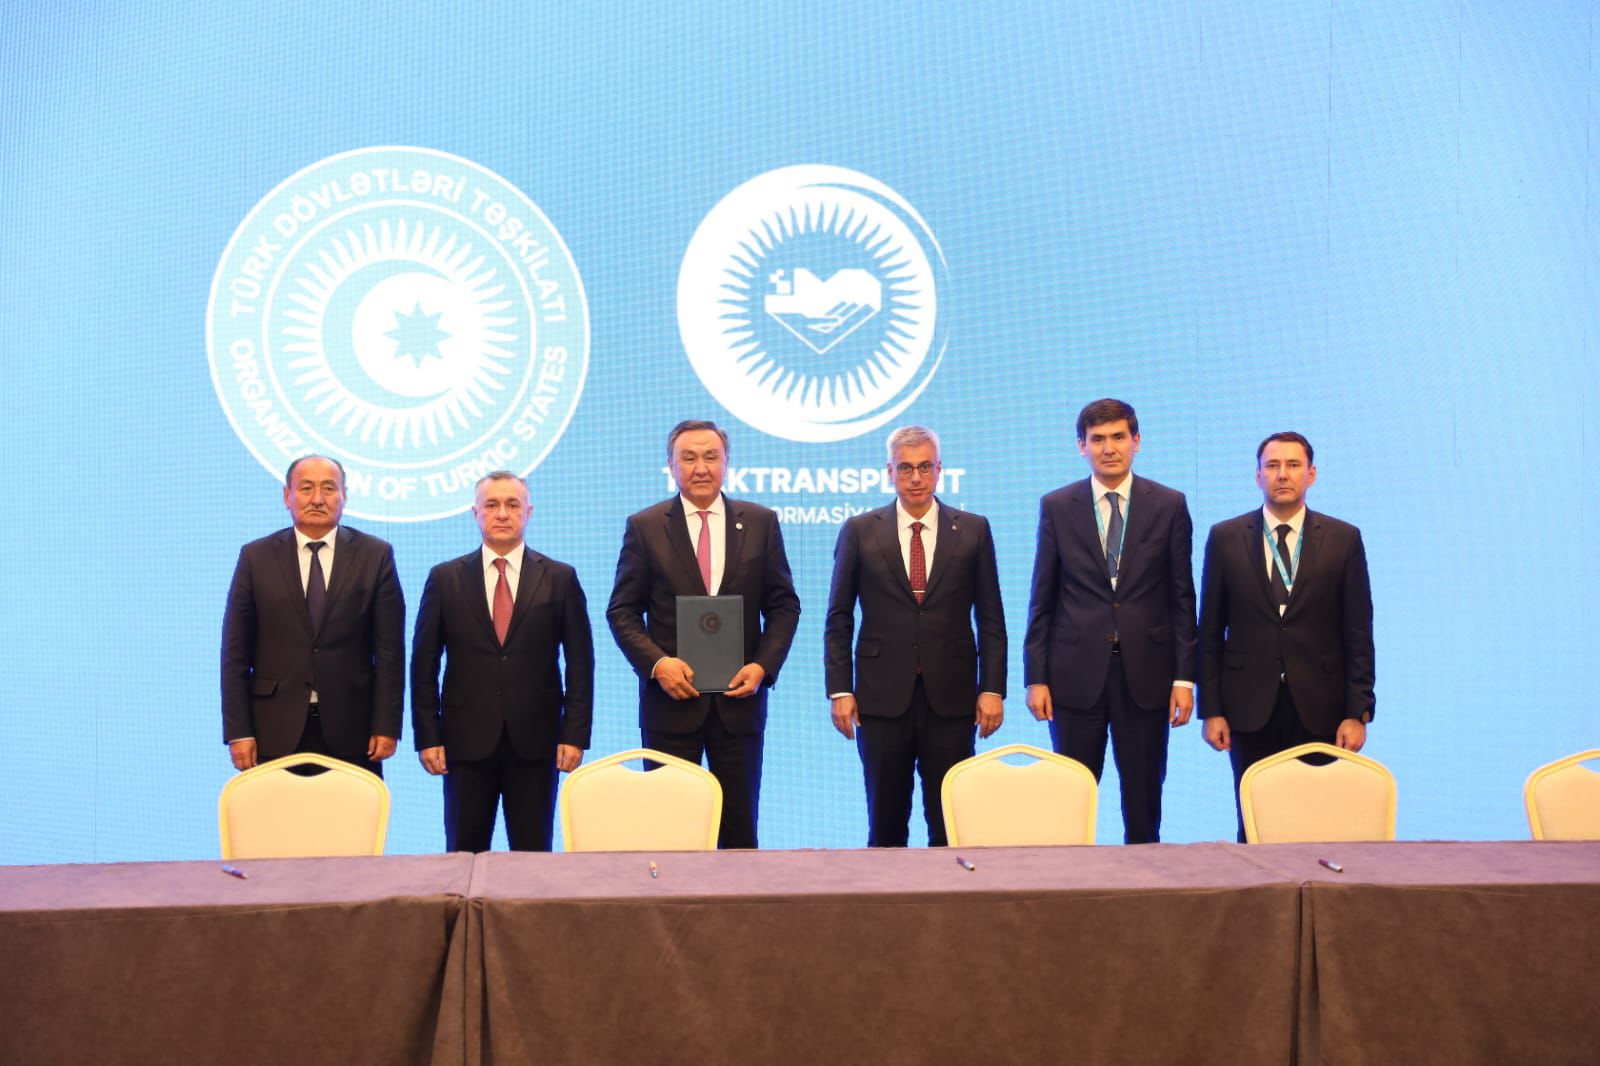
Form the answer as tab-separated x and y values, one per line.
407	312
808	303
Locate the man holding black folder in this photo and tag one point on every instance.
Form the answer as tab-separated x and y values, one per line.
702	544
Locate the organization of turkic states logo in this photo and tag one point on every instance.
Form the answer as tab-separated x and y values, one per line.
407	312
808	303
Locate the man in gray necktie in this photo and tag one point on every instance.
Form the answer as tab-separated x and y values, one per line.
1286	649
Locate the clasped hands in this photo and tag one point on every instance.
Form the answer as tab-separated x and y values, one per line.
676	679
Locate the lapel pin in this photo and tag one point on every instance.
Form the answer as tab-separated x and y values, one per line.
738	525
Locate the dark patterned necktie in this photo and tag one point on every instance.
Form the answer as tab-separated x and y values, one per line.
1280	588
919	563
316	587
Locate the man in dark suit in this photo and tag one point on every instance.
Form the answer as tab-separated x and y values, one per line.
1111	626
505	724
919	682
313	638
1285	621
701	543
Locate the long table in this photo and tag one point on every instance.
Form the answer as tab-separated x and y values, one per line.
1416	952
305	961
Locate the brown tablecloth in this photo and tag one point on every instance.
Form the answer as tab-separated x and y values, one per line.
1453	953
307	961
1142	954
1202	953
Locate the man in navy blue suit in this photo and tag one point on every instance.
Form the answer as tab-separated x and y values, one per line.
920	682
1111	636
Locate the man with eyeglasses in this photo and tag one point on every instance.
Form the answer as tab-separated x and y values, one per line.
1111	638
920	682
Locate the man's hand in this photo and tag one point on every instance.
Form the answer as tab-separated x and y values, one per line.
1180	705
1216	733
433	760
1038	699
746	681
568	757
845	715
1352	734
676	678
380	748
991	712
243	753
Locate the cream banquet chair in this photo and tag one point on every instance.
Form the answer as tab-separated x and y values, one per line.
266	812
1285	800
988	801
1563	799
605	806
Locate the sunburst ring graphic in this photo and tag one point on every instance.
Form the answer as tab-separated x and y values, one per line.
808	303
399	335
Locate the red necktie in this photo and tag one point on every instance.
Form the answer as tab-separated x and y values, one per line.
702	549
502	603
919	563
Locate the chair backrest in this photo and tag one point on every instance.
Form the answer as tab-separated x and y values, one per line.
606	806
1285	800
266	812
1563	799
1050	800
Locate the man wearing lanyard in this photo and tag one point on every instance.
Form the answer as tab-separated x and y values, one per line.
1111	629
1285	621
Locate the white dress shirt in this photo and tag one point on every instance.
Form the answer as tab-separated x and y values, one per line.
1296	526
325	555
930	535
491	575
717	519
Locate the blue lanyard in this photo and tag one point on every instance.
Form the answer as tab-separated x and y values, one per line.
1284	572
1100	524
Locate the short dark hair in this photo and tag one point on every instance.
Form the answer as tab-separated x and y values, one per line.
1100	412
690	426
1288	436
288	475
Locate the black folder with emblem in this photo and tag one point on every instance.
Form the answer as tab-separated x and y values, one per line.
711	639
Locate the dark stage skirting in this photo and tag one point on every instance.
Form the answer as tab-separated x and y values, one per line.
1201	953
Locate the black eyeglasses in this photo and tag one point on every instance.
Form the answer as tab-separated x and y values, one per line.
905	470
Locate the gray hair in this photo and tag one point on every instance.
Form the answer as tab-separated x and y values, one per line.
500	475
288	475
910	437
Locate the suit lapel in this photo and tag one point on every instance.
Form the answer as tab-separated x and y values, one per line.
947	545
1313	533
1255	560
1080	514
887	532
288	553
677	533
534	573
344	562
733	542
469	572
1136	526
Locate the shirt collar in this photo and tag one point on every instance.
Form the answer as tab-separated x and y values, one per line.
513	558
1296	523
1101	489
301	540
717	506
903	516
